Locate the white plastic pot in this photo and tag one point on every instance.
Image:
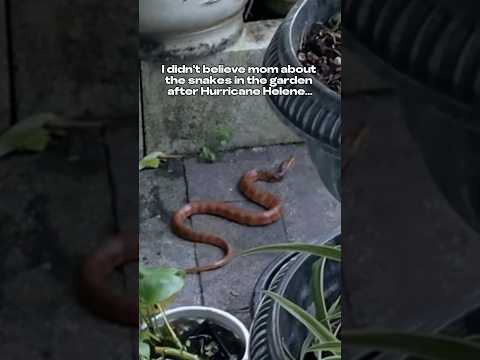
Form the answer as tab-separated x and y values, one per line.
184	28
217	316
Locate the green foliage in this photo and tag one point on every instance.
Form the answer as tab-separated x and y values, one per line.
143	350
326	251
154	160
35	133
219	139
207	155
223	136
318	330
157	288
325	324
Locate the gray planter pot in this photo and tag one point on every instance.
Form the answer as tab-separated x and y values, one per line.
315	118
275	334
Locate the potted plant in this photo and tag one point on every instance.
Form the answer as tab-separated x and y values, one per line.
323	339
185	28
316	118
184	333
299	315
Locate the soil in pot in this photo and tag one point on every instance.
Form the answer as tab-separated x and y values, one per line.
322	49
208	340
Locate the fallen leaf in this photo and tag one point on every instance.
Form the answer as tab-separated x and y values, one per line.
154	159
34	133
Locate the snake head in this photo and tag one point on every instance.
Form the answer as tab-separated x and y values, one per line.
284	167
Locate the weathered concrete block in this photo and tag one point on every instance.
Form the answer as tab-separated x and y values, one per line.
184	124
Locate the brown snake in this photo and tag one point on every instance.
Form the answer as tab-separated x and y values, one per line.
123	248
271	204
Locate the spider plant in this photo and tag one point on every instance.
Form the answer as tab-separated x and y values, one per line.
324	339
324	325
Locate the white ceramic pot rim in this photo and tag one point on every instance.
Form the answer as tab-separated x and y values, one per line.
224	318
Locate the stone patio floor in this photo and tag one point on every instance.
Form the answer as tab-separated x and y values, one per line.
310	214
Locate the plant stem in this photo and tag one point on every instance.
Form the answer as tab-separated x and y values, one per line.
176	353
147	320
167	324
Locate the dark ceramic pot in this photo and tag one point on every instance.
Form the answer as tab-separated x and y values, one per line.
274	333
316	118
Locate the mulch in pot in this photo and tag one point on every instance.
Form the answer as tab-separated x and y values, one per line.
208	340
322	48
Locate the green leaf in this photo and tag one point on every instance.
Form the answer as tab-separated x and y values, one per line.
332	346
337	330
144	351
20	138
158	285
31	140
34	133
147	335
153	160
333	357
318	293
334	316
313	325
336	307
326	251
306	346
434	347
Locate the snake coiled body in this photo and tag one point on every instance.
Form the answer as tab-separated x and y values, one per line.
272	212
